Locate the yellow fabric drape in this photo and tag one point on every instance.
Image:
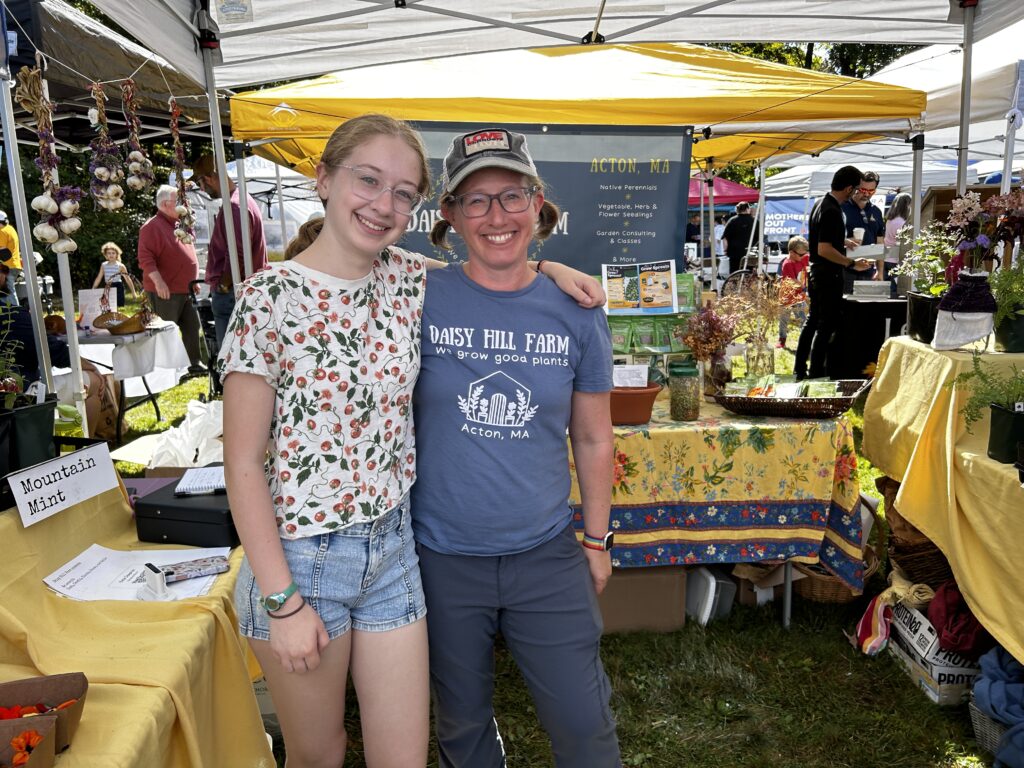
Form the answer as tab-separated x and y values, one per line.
970	506
169	683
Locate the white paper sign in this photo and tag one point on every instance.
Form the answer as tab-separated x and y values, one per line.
100	573
48	488
89	304
629	375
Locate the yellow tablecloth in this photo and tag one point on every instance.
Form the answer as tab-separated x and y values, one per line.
736	489
169	683
970	506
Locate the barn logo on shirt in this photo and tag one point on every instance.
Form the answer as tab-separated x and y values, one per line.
497	406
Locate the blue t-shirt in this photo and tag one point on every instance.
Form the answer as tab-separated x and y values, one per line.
492	405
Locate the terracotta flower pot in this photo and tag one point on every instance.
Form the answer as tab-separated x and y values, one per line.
633	405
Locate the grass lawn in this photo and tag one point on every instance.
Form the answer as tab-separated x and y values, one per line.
741	692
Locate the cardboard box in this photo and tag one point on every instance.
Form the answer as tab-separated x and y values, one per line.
644	599
750	594
946	677
51	690
44	753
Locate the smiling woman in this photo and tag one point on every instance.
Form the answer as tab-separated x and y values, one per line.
497	547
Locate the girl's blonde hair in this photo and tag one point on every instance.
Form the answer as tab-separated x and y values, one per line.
111	246
343	142
547	219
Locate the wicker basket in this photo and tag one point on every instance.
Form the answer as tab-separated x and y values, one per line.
826	588
797	407
108	319
987	732
923	562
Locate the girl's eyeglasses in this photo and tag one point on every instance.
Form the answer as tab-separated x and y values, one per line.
368	186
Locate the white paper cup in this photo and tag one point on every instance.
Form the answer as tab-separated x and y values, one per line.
858	234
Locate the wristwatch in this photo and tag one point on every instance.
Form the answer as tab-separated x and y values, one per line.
275	601
602	544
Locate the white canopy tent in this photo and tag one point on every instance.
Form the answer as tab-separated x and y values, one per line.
814	180
262	41
997	77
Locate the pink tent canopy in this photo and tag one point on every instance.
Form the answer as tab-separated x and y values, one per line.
726	193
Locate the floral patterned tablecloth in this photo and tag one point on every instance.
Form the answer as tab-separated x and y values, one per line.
735	489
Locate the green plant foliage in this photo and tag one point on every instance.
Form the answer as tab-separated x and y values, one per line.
1008	289
929	255
986	386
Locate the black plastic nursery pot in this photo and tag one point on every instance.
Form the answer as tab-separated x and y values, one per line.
922	314
1010	332
1006	431
26	438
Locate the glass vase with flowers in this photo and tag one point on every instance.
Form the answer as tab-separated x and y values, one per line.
707	334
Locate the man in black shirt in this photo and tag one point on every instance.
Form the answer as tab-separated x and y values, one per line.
739	232
828	244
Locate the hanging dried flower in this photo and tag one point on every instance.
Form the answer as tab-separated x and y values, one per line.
105	165
57	205
184	229
140	169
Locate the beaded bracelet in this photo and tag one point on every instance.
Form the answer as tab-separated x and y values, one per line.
290	613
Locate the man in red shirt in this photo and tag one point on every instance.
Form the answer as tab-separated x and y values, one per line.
168	266
218	267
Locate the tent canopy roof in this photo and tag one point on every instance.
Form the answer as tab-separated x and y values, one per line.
815	180
752	107
726	192
69	38
274	41
997	88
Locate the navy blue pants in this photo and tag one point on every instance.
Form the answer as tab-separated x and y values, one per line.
543	603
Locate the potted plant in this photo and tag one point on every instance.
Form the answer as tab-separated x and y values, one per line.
26	427
968	309
1008	289
925	265
1003	395
706	334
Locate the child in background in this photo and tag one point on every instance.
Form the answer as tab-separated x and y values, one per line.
794	267
114	273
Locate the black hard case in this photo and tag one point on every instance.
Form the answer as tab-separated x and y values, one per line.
202	521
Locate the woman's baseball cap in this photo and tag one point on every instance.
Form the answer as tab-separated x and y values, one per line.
487	148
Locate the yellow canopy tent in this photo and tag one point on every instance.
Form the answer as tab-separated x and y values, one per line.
753	109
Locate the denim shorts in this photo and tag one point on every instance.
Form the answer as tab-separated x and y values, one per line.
365	576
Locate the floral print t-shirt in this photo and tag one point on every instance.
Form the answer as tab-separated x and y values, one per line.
342	357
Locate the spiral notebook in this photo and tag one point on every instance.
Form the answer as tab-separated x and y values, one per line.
201	481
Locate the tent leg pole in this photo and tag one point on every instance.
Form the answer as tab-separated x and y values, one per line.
243	206
1008	148
760	219
218	146
965	102
711	223
916	183
67	294
280	207
24	227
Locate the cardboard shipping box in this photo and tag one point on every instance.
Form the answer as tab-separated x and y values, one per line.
644	599
946	677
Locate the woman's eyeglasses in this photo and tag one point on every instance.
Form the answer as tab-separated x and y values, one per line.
476	204
368	186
